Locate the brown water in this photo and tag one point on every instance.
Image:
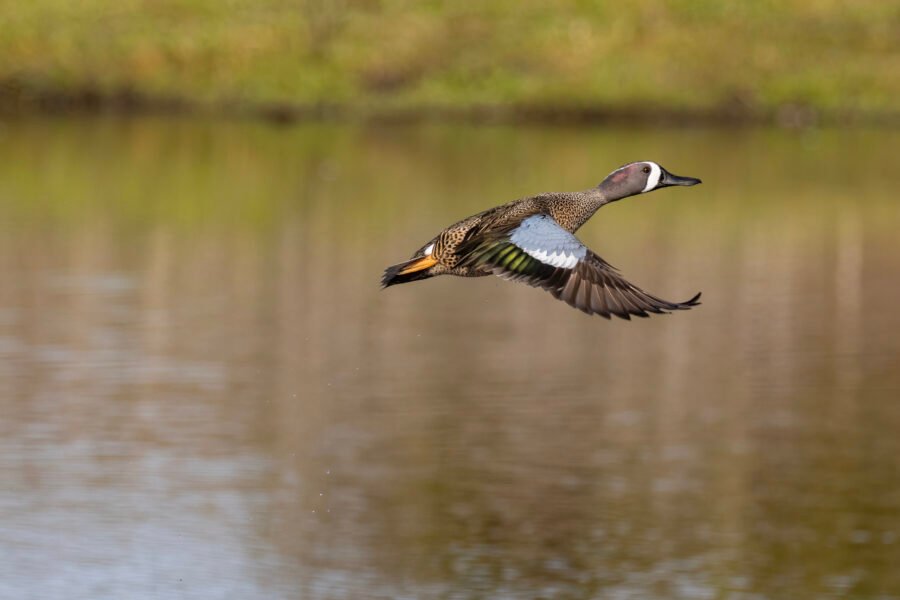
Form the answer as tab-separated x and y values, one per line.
204	394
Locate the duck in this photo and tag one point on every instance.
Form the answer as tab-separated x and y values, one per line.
532	240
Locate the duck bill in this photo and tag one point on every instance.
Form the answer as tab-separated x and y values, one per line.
670	179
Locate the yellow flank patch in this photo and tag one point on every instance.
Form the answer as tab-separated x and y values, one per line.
426	262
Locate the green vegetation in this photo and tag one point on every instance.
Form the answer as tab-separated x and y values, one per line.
701	57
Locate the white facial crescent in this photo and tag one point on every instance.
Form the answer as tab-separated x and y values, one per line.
653	177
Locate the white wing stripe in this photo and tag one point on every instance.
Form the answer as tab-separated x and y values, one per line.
561	259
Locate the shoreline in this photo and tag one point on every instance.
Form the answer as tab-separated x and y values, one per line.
17	100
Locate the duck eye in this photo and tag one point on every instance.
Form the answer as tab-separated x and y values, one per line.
646	169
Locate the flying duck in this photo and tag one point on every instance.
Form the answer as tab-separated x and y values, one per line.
532	240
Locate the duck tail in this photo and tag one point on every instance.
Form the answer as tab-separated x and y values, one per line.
411	270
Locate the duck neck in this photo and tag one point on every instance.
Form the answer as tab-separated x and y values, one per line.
581	206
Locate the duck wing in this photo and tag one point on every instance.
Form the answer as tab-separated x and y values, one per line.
539	252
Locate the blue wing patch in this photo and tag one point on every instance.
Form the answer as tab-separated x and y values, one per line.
541	237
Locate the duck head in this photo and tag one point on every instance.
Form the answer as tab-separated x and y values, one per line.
639	178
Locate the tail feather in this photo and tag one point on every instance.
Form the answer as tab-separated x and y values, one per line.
411	270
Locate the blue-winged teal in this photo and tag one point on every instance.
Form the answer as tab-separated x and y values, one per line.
531	240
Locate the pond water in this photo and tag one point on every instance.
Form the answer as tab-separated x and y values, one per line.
205	394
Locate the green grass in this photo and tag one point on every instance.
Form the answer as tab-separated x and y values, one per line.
832	56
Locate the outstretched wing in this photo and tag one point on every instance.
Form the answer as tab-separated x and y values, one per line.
539	252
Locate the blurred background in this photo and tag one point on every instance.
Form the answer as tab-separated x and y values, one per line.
204	393
651	59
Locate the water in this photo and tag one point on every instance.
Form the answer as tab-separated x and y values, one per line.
204	393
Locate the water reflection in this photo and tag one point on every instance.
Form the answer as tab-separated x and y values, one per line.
206	395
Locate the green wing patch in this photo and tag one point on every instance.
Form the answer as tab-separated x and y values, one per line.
507	256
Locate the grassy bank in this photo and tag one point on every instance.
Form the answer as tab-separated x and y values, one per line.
706	58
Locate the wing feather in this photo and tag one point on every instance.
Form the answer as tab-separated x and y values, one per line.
539	252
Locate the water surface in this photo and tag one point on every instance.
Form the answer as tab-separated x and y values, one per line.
204	394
